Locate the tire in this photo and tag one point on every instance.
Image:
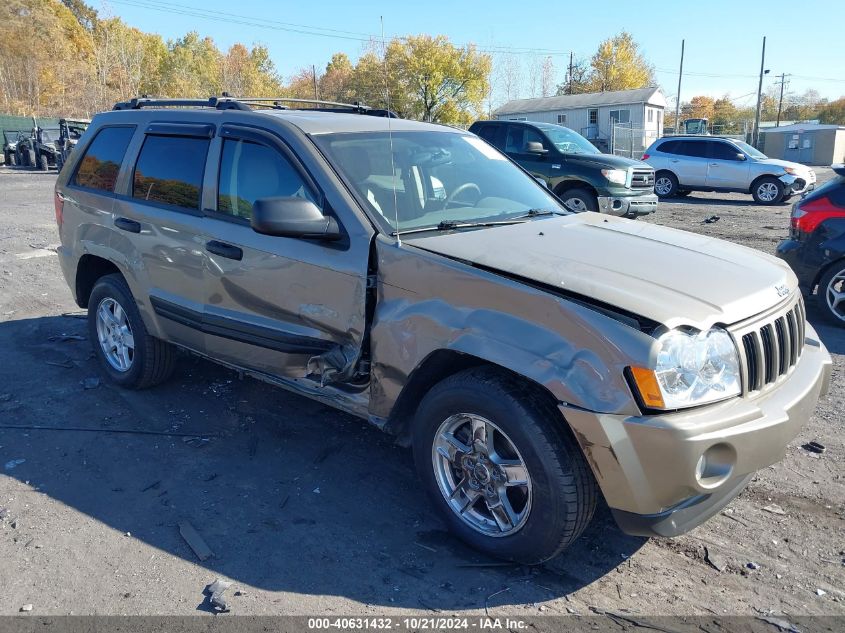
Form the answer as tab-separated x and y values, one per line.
683	193
43	162
151	360
767	190
7	158
579	200
558	498
832	284
30	158
665	184
13	158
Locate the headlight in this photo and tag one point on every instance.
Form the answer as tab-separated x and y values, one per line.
692	368
617	176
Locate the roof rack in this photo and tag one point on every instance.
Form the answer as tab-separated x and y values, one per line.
227	102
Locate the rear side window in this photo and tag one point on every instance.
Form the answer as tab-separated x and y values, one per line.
693	148
669	147
249	171
170	170
100	165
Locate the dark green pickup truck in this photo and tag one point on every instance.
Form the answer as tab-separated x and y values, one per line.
583	177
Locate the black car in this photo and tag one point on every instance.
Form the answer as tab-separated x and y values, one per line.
815	248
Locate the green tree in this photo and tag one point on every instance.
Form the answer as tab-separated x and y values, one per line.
337	83
192	67
833	112
619	65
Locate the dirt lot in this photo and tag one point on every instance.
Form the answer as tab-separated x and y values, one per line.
309	511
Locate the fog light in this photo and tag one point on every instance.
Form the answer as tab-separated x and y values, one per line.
617	204
715	465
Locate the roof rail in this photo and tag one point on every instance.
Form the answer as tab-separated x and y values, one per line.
227	102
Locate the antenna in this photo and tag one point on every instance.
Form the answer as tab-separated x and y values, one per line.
390	134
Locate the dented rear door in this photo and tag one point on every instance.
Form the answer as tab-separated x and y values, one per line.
283	306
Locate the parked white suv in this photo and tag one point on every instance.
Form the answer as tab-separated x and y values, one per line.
683	164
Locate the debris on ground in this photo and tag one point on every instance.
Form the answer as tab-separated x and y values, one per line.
752	565
67	363
714	560
5	397
26	607
14	463
774	509
91	383
814	447
4	512
779	623
316	490
821	592
64	338
195	541
214	591
711	219
75	315
196	441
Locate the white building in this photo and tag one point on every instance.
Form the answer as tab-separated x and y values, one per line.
593	114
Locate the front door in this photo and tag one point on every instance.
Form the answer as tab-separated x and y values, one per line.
516	146
283	306
725	168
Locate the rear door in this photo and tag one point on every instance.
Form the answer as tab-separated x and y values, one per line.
724	168
690	162
284	306
160	223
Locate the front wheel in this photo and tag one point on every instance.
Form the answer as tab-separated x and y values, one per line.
579	200
768	190
43	162
128	354
501	468
665	184
831	294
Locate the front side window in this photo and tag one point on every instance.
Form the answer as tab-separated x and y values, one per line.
567	141
433	177
750	150
170	170
249	171
723	151
100	164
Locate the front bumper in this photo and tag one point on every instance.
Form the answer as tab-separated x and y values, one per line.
646	465
801	183
631	206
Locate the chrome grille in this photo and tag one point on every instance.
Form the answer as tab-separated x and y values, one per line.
772	347
642	179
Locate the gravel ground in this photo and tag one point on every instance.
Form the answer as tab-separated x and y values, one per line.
310	511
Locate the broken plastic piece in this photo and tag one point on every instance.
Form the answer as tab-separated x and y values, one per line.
195	541
214	591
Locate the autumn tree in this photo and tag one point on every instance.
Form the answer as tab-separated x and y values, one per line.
577	79
619	65
337	83
191	67
833	112
700	107
247	72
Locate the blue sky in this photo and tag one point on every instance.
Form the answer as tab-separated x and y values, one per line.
723	38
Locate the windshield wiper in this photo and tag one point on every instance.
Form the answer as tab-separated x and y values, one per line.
533	213
450	225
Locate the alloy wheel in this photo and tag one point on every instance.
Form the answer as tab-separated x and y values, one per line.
835	295
663	186
575	204
481	475
767	191
115	335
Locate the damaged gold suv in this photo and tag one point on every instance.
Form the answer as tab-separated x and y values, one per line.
412	275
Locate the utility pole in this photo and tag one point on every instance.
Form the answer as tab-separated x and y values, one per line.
783	83
570	73
314	75
678	97
756	135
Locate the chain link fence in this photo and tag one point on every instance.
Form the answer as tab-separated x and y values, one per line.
629	141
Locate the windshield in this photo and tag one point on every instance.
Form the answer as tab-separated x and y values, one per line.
435	177
11	135
567	141
754	153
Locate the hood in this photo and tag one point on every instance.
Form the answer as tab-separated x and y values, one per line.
670	276
608	160
782	163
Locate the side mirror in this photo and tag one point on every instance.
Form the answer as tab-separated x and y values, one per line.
741	156
293	217
534	147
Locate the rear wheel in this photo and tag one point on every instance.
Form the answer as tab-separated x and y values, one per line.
501	468
43	162
7	157
831	294
579	200
768	190
30	158
665	184
126	351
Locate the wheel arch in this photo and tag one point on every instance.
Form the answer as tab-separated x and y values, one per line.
822	271
569	184
436	367
88	271
757	180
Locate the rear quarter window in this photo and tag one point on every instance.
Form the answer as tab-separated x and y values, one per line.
169	170
99	166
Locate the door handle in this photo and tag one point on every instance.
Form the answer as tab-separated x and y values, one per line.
714	164
224	250
125	224
673	160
